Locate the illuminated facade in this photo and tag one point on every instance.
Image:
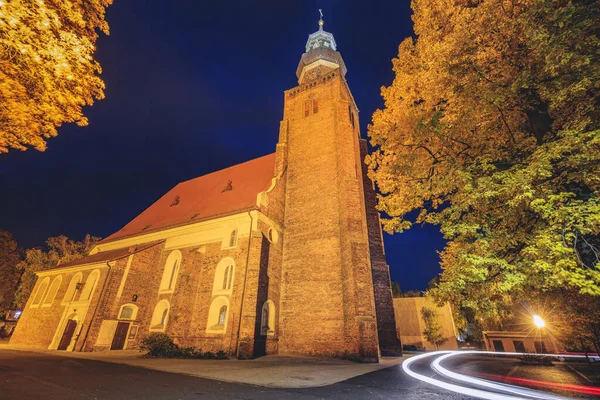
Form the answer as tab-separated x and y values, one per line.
279	255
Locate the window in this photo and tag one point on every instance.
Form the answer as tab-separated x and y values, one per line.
39	294
311	105
267	323
233	238
498	345
519	347
224	272
351	115
72	288
540	347
90	285
217	315
128	311
171	271
160	317
49	299
222	315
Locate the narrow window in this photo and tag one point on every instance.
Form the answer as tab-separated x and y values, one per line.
173	274
315	106
163	318
39	295
307	108
225	278
222	315
233	238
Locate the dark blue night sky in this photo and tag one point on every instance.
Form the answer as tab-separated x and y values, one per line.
193	87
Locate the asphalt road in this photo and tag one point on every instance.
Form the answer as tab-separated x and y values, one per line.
25	375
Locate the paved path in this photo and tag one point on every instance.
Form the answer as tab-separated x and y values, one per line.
269	371
26	375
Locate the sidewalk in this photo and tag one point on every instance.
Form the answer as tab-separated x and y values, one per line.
269	371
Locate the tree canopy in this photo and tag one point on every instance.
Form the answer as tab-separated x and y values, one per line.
491	130
10	255
59	249
47	68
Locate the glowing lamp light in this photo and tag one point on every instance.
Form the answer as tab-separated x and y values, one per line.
538	321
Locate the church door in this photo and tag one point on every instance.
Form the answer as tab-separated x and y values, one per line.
67	335
120	336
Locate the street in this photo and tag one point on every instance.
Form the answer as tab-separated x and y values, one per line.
27	375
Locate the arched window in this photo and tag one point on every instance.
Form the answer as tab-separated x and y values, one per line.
39	294
49	299
171	271
267	323
90	285
223	281
128	311
233	238
72	288
160	317
217	315
222	315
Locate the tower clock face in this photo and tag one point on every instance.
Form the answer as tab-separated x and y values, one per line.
313	74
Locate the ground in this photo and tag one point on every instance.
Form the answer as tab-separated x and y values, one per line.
52	375
26	375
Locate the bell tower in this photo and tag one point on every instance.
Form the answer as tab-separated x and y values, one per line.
328	293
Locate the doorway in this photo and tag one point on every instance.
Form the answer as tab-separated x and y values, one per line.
120	336
65	341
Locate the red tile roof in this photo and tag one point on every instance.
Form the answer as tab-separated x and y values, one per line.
228	191
97	258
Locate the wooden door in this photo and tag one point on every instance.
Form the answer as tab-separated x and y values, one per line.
120	336
65	341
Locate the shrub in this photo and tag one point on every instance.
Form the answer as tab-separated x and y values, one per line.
159	345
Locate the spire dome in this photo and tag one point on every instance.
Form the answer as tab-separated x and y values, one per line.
321	49
320	38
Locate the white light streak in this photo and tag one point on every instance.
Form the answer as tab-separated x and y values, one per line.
523	393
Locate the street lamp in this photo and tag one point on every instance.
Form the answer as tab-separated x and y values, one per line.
538	321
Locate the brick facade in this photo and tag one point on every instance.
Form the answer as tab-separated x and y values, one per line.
308	255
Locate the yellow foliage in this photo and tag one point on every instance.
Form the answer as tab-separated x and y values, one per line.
47	69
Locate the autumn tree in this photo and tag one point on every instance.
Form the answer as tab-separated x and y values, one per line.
491	130
433	329
47	68
58	250
10	255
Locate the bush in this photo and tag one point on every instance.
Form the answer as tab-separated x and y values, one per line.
161	345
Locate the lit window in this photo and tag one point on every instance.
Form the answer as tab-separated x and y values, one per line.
217	315
223	280
233	238
90	285
41	291
315	106
267	323
128	312
170	272
49	299
72	288
160	316
222	315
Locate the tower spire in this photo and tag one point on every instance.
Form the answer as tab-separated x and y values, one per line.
321	23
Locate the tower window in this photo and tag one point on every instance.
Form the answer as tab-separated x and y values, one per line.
311	105
351	115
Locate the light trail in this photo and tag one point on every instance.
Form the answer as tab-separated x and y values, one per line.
509	390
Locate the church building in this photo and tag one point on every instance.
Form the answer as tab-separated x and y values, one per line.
282	254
